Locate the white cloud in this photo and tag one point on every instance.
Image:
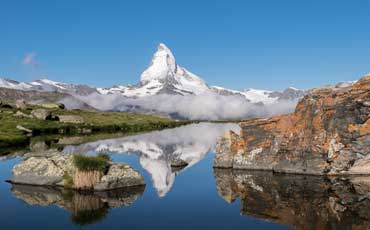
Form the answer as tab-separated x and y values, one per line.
207	106
30	59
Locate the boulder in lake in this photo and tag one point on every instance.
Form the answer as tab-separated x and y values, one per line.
179	163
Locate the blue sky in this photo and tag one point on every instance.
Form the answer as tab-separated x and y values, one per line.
236	44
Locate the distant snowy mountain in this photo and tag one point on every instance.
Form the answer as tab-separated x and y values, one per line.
45	85
163	76
169	83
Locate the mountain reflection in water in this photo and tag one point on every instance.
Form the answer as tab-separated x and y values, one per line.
303	202
156	150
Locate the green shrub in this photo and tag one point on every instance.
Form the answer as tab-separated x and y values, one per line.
90	163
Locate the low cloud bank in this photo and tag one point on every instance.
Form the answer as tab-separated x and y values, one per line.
207	106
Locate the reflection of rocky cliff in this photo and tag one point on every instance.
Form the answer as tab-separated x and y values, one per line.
85	208
303	202
158	150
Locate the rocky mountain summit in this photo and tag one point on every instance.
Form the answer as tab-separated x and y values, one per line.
328	133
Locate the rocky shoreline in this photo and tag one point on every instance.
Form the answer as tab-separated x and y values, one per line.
328	134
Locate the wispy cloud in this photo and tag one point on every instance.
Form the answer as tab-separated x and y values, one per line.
30	60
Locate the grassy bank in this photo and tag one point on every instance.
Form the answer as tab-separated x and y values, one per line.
93	122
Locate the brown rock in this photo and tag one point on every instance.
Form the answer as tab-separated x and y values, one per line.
329	132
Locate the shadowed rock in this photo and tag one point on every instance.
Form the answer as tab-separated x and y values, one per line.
303	202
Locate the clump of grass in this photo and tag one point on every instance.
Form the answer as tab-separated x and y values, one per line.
90	163
104	155
68	180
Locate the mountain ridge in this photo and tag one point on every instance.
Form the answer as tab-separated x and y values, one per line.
163	76
166	89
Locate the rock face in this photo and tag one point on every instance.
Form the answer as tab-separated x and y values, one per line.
56	169
300	201
329	133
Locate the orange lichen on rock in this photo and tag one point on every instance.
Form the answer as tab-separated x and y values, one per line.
321	136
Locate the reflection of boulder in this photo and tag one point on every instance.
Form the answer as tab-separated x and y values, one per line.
303	202
85	208
177	165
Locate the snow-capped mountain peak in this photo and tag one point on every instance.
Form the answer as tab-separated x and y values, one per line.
164	75
163	64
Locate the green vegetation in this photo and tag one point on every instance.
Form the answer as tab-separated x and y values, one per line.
94	122
91	163
104	156
68	180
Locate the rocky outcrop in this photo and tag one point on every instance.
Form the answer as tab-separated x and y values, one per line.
41	114
71	119
329	133
300	201
52	105
20	104
79	204
56	169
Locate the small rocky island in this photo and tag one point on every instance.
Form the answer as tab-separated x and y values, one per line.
79	172
328	134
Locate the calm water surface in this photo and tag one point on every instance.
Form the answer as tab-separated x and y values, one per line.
194	197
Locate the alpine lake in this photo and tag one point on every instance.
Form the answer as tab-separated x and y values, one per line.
195	196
